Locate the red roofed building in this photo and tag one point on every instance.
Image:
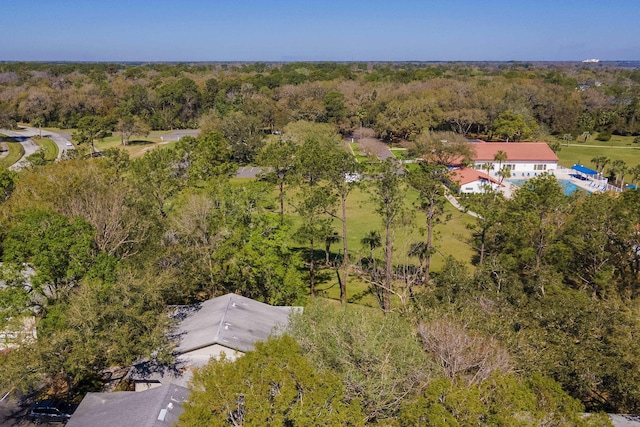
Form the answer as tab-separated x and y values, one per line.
525	159
473	181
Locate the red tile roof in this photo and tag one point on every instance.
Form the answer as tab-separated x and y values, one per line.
467	175
516	151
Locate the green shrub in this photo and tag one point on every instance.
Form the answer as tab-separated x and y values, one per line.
604	136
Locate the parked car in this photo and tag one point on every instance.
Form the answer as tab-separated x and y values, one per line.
49	412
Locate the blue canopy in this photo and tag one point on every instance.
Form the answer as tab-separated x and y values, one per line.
584	170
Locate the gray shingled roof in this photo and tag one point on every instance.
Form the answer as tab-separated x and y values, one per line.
156	407
231	320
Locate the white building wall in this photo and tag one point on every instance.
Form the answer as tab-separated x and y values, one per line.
479	186
520	169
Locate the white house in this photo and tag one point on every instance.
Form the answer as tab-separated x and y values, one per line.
524	159
473	181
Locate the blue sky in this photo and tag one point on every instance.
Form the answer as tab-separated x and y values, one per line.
348	30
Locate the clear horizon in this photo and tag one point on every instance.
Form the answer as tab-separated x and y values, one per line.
348	31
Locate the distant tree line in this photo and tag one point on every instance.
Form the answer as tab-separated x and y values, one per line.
510	101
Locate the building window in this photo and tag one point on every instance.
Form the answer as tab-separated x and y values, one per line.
542	167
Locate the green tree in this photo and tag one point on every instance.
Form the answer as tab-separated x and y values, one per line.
103	323
377	355
157	177
272	385
244	135
342	168
205	157
530	229
429	180
488	206
619	168
128	126
335	110
8	181
388	196
179	103
599	162
513	126
91	128
279	156
443	148
60	250
500	157
502	400
588	236
315	227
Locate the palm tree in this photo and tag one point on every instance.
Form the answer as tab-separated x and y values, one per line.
420	250
597	161
604	161
372	241
635	173
619	168
487	167
504	172
328	240
500	157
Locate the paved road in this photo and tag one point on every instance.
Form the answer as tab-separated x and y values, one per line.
59	139
24	137
176	135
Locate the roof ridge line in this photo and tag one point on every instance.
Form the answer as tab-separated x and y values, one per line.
224	316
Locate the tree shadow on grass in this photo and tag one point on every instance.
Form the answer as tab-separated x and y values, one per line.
141	142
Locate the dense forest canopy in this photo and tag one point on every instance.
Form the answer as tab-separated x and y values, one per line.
493	100
97	249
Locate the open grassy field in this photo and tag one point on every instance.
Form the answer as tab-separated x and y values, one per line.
16	151
451	238
619	148
137	145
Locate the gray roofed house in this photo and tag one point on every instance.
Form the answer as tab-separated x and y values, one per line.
157	407
229	324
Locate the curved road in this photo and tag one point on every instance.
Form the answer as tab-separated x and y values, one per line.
24	137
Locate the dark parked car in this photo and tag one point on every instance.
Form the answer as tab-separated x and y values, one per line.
49	412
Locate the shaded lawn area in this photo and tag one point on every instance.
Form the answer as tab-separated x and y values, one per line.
137	145
451	238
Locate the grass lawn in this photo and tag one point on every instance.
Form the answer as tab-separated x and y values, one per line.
451	238
137	145
50	148
399	153
619	148
361	158
16	151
